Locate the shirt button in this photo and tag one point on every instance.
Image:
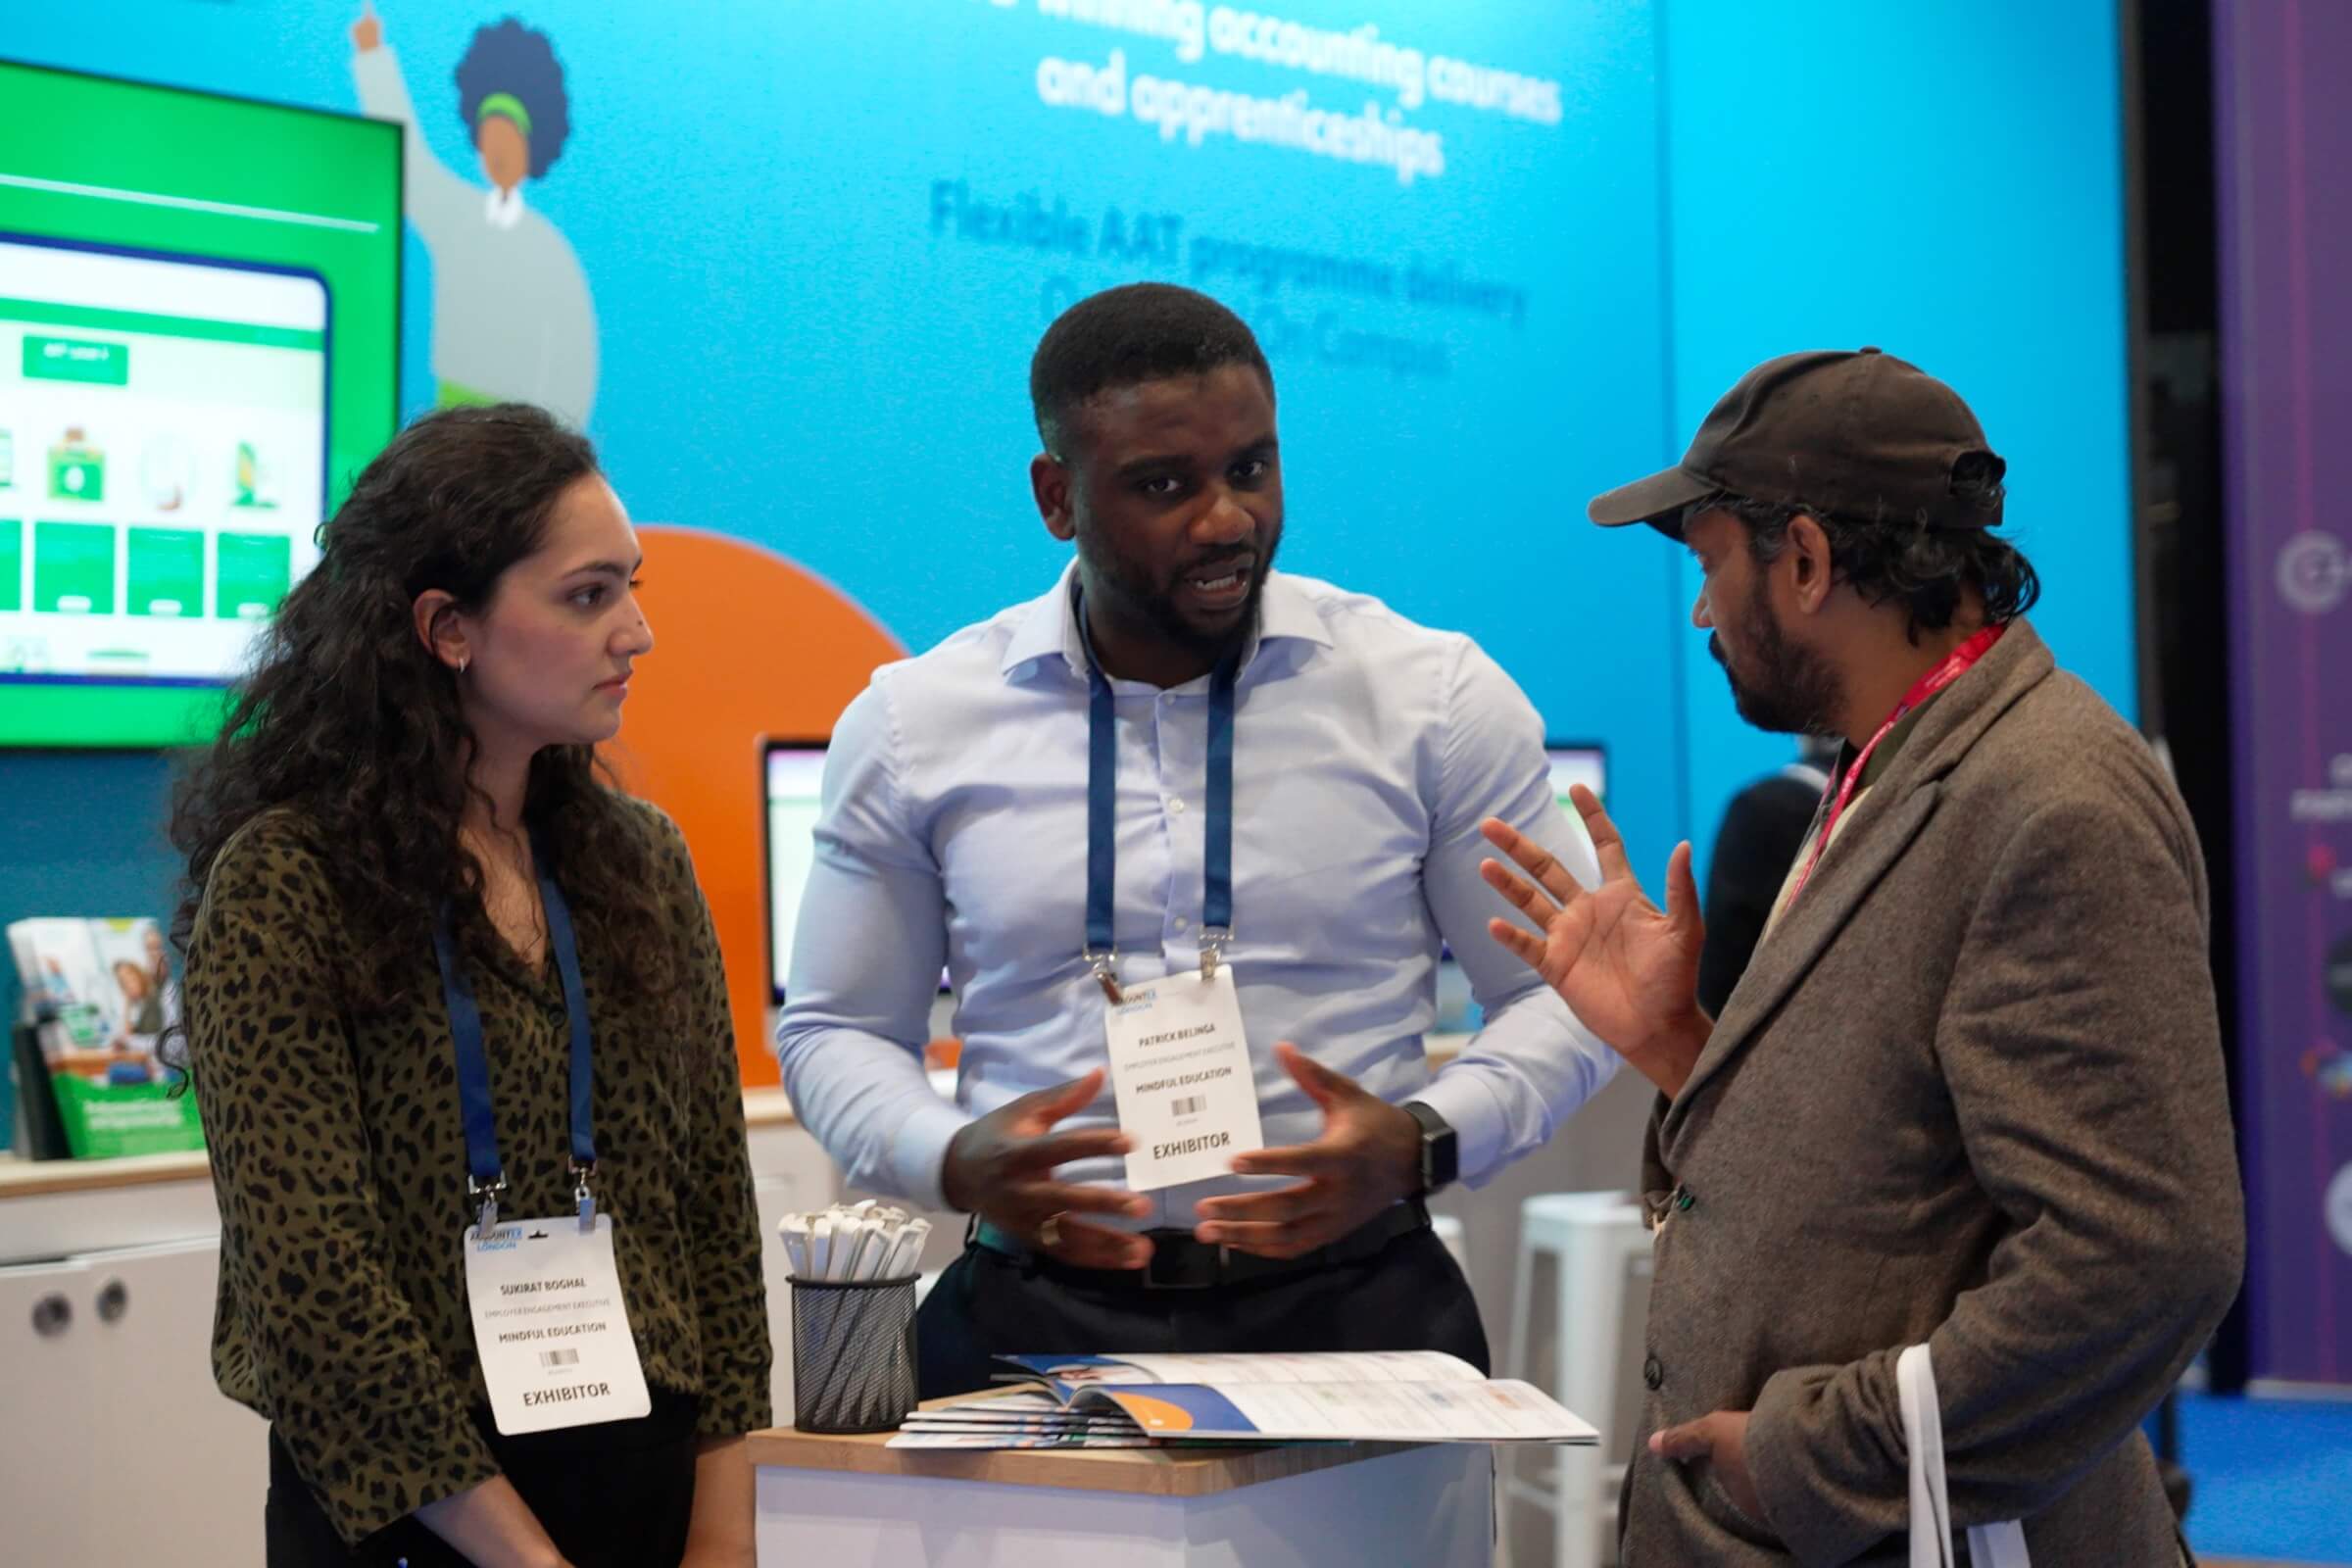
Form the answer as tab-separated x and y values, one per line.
1653	1373
1181	923
1176	803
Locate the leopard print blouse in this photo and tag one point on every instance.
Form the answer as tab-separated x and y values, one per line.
338	1157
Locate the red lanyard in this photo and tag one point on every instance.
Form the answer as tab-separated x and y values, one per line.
1961	660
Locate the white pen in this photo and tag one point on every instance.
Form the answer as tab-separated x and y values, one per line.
908	1251
794	1228
857	1240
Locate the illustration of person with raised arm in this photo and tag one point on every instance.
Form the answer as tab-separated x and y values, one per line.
513	317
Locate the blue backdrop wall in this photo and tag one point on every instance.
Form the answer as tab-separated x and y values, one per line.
1942	179
788	265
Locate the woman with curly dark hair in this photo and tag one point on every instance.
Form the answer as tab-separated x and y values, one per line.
439	975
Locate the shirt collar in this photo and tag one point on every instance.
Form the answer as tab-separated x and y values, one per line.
1049	624
504	209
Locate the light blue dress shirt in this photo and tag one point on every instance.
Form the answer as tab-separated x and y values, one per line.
1366	752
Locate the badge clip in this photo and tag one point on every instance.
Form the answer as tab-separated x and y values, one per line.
484	1195
582	1199
1100	966
1213	948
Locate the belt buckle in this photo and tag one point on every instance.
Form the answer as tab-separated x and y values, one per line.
1171	1267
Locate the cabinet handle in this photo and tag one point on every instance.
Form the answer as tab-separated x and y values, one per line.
114	1299
52	1316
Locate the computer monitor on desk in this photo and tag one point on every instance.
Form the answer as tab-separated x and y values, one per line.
1585	762
791	776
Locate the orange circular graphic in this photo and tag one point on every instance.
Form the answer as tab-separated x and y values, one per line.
745	645
1152	1414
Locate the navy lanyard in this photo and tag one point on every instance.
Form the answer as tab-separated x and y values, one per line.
486	1174
1100	952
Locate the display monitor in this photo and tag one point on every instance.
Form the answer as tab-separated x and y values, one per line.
199	319
1585	762
791	776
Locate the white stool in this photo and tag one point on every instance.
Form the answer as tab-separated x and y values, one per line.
1596	1242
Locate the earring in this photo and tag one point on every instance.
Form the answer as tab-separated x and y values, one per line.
463	661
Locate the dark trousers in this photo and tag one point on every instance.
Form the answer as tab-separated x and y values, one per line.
1410	1295
616	1494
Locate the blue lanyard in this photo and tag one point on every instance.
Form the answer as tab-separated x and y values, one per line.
486	1174
1100	952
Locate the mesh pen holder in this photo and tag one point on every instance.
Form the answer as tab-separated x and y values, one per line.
853	1353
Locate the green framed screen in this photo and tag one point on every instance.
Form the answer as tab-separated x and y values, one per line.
199	340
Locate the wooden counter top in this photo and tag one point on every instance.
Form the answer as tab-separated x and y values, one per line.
767	1107
30	1178
1149	1472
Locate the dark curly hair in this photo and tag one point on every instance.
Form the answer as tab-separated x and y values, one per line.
350	721
511	58
1136	333
1888	559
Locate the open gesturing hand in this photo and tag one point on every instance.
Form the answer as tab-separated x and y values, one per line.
1002	1169
1367	1156
1627	968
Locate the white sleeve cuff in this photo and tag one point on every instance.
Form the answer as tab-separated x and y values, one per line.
1476	1118
918	1153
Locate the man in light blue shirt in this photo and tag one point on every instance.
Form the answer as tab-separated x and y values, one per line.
1364	753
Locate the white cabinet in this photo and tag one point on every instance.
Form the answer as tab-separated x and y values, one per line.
47	1430
195	1492
115	1446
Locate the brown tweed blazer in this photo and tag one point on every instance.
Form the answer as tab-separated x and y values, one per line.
1969	1092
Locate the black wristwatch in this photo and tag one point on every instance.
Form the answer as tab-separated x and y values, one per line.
1441	1148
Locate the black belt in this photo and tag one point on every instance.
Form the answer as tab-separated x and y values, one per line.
1178	1262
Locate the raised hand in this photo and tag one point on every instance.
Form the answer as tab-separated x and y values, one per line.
1001	1168
1627	970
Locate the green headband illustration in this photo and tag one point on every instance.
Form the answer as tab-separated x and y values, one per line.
507	104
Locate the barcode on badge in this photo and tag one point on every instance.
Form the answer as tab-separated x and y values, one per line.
558	1358
1188	1105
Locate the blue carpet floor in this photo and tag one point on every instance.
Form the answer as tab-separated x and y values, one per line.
2273	1478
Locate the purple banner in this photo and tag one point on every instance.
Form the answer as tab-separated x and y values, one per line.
2284	147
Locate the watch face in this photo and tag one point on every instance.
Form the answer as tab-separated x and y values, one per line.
1440	1147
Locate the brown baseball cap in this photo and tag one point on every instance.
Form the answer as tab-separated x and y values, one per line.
1855	434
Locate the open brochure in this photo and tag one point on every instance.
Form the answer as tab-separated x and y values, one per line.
1361	1397
99	997
1019	1418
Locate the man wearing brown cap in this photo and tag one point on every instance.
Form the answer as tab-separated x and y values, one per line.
1968	1095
